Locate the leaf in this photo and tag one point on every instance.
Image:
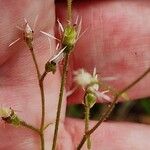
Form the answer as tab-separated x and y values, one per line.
146	105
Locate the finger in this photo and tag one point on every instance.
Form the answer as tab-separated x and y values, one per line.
112	136
19	86
11	18
116	43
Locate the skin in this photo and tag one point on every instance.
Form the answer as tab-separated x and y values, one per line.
117	44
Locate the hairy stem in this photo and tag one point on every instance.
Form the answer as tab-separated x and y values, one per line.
109	109
60	101
69	10
87	116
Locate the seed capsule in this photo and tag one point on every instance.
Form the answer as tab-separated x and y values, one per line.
90	100
28	35
69	38
9	116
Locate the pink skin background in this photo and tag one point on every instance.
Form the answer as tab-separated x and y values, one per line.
117	43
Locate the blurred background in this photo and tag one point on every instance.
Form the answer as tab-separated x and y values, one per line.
132	111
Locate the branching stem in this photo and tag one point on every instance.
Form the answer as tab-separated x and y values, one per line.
24	124
40	133
109	109
40	80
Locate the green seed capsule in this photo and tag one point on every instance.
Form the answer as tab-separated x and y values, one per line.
69	38
15	120
50	67
90	99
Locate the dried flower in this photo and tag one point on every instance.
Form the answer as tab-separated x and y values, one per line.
54	60
28	35
90	83
5	112
83	78
58	56
9	116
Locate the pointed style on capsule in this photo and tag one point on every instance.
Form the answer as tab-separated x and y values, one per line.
50	35
14	42
60	26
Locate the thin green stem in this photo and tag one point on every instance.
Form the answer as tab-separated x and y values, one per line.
69	10
110	108
63	79
43	104
43	76
35	63
47	126
87	116
24	124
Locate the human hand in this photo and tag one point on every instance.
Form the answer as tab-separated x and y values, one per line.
117	44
